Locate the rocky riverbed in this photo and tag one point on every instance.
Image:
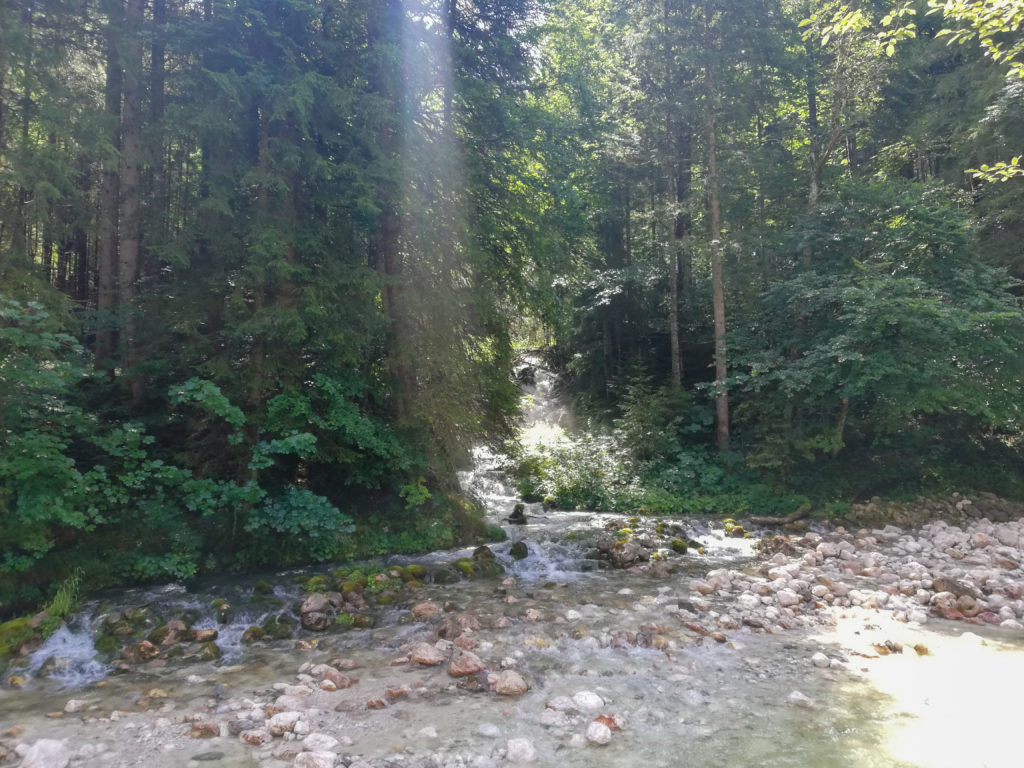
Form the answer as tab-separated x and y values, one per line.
874	646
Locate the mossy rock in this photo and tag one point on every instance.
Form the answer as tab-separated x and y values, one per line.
346	620
209	651
174	652
253	634
519	550
413	584
680	546
396	572
279	627
465	568
362	620
107	644
415	572
359	578
225	613
263	587
316	584
446	575
14	634
496	533
386	598
190	616
351	586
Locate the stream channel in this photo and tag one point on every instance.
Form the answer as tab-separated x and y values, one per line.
679	680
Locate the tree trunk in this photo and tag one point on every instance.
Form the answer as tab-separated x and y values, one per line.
715	224
131	196
106	225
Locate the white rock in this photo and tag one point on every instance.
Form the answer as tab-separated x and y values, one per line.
588	701
76	705
552	718
598	733
429	732
490	730
283	722
577	741
1011	624
828	549
787	597
800	700
573	615
316	760
561	703
520	751
820	660
47	753
319	742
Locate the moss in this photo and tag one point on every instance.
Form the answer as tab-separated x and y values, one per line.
496	533
445	575
680	546
362	621
417	572
346	620
316	584
209	651
253	634
13	634
190	616
262	587
465	567
519	550
351	586
385	598
107	644
279	627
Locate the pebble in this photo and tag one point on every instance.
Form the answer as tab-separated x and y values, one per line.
820	660
588	701
520	751
800	700
598	733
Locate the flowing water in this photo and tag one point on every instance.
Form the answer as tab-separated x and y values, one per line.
572	628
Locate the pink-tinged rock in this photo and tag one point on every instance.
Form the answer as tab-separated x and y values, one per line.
395	694
465	621
376	703
465	663
508	682
283	722
316	760
425	653
204	730
256	737
787	598
503	623
425	609
340	681
464	642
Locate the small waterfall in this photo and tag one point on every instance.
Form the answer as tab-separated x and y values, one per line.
68	656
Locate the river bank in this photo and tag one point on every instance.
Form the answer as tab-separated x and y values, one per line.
812	652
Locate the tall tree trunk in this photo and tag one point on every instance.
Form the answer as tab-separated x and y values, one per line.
106	225
715	225
130	226
81	272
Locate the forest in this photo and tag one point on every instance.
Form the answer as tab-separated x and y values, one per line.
267	267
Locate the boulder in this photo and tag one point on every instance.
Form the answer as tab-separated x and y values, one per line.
318	612
464	663
508	682
622	553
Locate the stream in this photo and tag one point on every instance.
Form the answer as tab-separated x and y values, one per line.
695	660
